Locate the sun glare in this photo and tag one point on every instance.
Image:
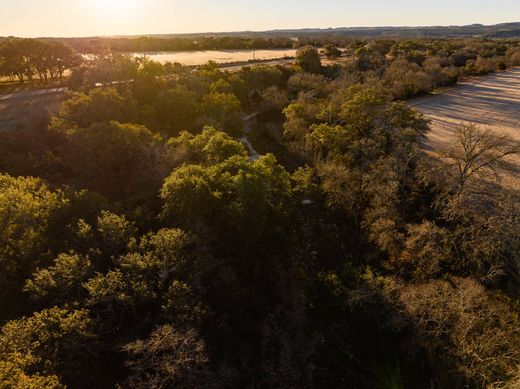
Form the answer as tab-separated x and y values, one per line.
115	6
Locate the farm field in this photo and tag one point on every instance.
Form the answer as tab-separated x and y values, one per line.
195	58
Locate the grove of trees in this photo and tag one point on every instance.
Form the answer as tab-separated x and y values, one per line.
24	59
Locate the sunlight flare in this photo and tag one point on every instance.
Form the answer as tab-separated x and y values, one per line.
116	6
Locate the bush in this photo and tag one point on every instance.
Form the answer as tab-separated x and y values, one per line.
308	59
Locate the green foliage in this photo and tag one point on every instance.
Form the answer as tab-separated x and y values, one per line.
331	51
308	59
111	292
175	109
28	209
13	376
307	82
146	276
234	195
104	69
114	159
261	77
54	343
209	147
352	259
25	58
407	79
223	111
365	126
115	232
62	281
182	306
100	105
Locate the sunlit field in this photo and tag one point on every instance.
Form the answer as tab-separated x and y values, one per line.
194	58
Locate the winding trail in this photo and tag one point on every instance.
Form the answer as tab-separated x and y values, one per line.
248	121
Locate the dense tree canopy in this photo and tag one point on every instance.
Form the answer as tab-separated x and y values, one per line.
273	227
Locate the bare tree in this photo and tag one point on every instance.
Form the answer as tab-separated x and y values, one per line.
479	155
169	358
470	197
472	333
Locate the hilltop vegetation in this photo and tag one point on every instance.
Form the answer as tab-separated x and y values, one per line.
141	245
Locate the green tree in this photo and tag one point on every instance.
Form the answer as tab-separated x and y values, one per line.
308	59
115	233
62	281
331	51
28	211
99	105
407	79
176	109
261	77
235	197
209	147
223	111
366	147
49	345
105	68
114	159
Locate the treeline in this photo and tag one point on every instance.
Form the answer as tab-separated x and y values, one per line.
412	67
143	246
24	59
97	45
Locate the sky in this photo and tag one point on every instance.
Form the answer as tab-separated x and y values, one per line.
68	18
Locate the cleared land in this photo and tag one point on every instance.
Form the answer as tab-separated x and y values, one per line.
195	58
489	102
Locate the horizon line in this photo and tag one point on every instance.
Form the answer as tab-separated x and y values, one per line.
224	32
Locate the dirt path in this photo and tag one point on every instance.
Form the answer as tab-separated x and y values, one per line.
248	120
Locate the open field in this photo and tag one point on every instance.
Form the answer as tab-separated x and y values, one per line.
195	58
489	102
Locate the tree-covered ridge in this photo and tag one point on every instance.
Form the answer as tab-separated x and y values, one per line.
142	245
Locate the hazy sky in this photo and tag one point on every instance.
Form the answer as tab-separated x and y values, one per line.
33	18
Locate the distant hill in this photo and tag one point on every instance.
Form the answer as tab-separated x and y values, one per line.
281	39
509	30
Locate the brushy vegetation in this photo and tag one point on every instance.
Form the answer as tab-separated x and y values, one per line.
142	246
